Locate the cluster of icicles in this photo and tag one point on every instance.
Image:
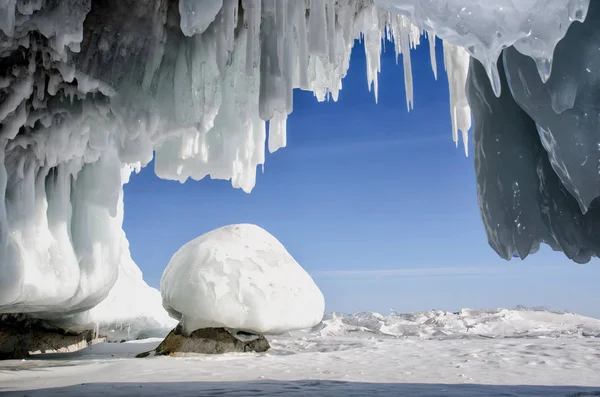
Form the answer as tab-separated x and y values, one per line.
93	90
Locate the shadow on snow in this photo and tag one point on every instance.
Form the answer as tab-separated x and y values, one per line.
302	388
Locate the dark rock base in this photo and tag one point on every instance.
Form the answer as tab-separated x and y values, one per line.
207	341
21	337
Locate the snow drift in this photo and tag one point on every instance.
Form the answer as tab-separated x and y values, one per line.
242	278
90	89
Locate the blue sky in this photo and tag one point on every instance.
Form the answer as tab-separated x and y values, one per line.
375	202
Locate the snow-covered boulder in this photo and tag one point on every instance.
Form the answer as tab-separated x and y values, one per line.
242	278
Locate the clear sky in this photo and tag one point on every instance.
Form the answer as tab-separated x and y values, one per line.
374	202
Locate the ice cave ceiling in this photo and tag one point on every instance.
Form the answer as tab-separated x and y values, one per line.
93	89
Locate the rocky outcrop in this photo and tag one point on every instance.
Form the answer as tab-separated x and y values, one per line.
21	337
209	341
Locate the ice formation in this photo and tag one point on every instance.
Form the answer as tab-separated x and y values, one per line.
240	277
90	89
466	323
536	148
131	310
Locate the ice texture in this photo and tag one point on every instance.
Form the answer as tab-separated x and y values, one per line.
197	15
536	149
456	61
131	310
91	89
483	28
240	277
565	108
506	154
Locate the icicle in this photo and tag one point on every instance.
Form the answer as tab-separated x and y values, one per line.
372	42
272	95
544	67
405	31
372	77
252	14
7	17
225	37
20	90
317	28
456	62
331	30
277	132
280	31
197	15
302	44
405	37
492	71
431	37
289	57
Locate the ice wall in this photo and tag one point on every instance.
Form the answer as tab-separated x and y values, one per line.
91	88
537	146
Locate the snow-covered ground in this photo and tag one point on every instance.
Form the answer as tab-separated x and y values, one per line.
472	353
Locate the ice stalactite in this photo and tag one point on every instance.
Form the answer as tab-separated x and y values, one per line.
456	61
431	38
506	160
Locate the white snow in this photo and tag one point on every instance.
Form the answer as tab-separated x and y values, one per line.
240	277
351	363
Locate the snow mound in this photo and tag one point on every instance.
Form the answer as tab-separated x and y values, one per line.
243	278
467	323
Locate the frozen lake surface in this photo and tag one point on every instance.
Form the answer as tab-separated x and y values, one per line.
359	355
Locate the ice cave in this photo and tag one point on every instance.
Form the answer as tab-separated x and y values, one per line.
93	90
